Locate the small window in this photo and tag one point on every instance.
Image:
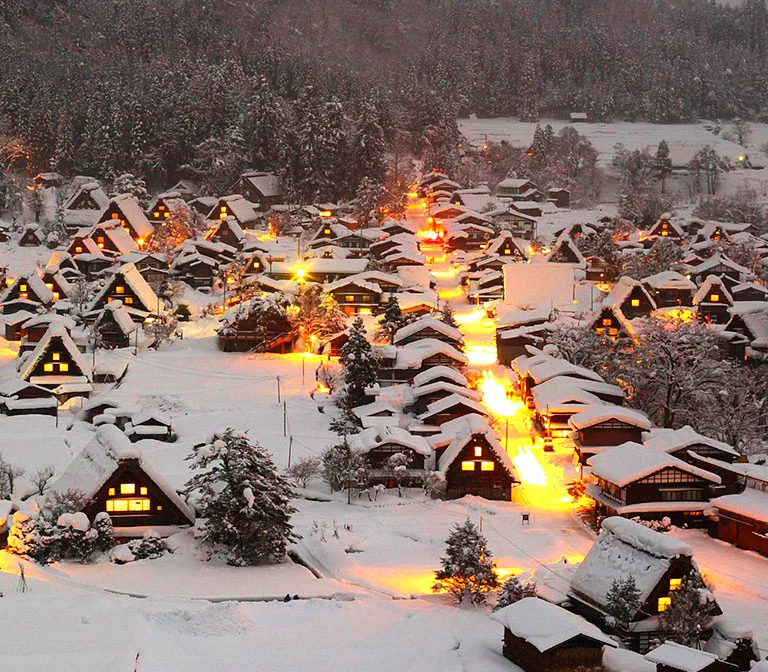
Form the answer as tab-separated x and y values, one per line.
507	250
48	368
664	603
349	298
674	584
129	300
49	285
478	451
115	215
607	322
665	233
111	492
166	215
22	288
714	297
142	491
159	507
487	466
56	296
56	356
119	289
635	303
468	465
63	367
156	214
127	488
78	249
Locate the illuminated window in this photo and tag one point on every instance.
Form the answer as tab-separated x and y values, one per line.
166	215
127	488
326	231
159	507
78	249
674	584
125	505
48	368
156	214
142	491
111	492
468	465
56	296
129	300
22	288
349	298
714	297
120	289
223	208
49	285
664	603
507	250
665	233
478	451
607	322
635	303
109	299
115	215
56	356
487	466
63	367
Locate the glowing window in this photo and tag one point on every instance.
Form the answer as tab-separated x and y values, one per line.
674	584
124	505
49	285
115	215
78	249
63	367
349	298
468	465
155	214
22	288
223	208
109	299
56	296
159	507
607	322
142	491
507	250
664	603
326	231
120	289
48	368
665	233
127	488
117	505
714	297
56	356
478	451
111	492
166	215
129	300
487	466
635	303
222	215
100	240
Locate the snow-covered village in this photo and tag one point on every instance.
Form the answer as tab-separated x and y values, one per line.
339	335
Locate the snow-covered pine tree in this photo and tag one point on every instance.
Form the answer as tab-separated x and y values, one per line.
346	422
689	616
513	591
467	569
445	315
622	602
367	146
127	183
332	318
360	366
662	164
24	538
393	317
243	501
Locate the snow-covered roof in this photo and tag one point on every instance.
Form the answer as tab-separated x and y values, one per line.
58	332
135	280
679	657
50	318
605	412
517	317
134	215
626	548
94	191
450	388
623	660
374	437
552	367
441	405
513	183
460	432
268	184
713	284
621	291
545	625
91	469
669	280
757	324
672	440
631	461
34	284
752	503
353	281
121	316
239	207
412	355
549	398
567	384
718	260
435	372
427	322
117	235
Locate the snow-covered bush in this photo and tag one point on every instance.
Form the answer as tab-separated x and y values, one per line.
149	547
663	525
340	465
244	503
513	591
24	536
434	484
622	602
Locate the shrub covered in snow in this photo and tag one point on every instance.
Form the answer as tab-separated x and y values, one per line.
24	537
434	484
342	464
149	547
515	590
663	525
622	602
243	501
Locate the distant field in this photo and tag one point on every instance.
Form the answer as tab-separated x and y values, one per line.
684	140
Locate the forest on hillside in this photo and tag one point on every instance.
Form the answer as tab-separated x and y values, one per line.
178	86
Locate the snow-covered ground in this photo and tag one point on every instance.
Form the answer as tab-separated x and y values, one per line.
369	559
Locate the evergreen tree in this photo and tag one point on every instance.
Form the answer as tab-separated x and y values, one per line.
24	538
346	423
623	602
689	615
446	316
360	366
368	146
528	91
340	464
243	501
128	183
393	317
467	568
513	591
662	164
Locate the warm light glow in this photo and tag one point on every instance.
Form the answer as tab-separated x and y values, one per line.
664	603
496	399
468	465
481	355
325	214
674	584
127	488
527	467
300	274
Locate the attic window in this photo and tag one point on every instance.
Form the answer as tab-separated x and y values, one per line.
487	465
664	603
674	584
468	465
63	367
56	356
22	288
78	249
478	451
635	303
128	300
156	214
127	488
507	250
665	233
48	368
115	215
49	285
166	215
326	231
142	490
119	289
607	322
714	297
124	505
111	492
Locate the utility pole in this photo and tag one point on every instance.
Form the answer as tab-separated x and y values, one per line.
278	388
285	420
290	450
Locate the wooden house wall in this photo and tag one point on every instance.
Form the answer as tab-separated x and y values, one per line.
609	434
743	532
496	484
161	512
580	652
378	457
643	308
55	346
